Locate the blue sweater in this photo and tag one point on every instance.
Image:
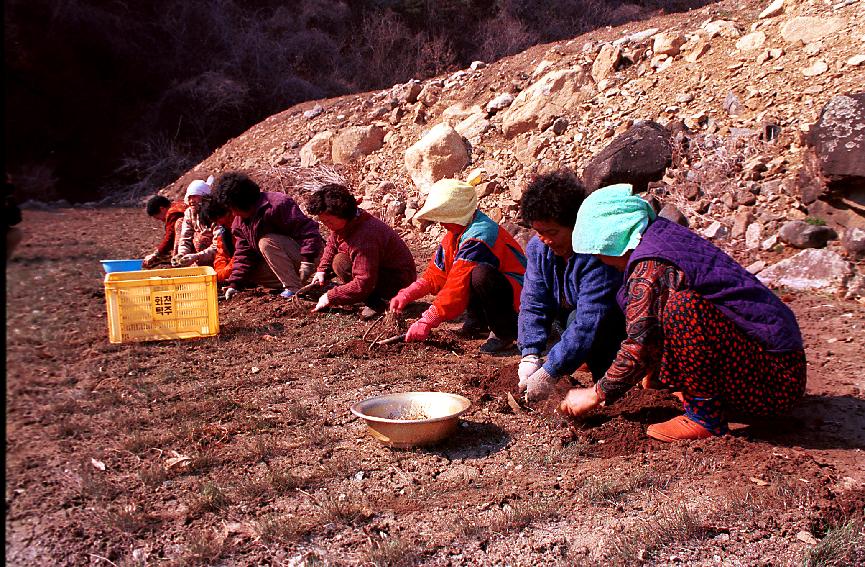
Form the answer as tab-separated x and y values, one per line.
590	289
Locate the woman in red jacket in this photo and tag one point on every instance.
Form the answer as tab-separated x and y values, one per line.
368	256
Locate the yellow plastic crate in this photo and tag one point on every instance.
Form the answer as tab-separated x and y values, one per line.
153	305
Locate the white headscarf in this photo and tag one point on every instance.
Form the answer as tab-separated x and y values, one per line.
198	187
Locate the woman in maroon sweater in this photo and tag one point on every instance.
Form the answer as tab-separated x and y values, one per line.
369	257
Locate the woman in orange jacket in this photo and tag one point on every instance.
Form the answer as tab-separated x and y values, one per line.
477	266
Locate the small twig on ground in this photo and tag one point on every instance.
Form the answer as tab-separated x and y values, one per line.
371	327
102	558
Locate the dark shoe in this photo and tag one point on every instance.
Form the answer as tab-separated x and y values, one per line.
496	345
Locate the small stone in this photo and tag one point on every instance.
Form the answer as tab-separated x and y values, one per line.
670	212
772	9
313	112
818	68
856	60
806	537
751	41
769	243
500	102
753	236
684	98
756	267
477	65
733	105
813	48
560	125
745	198
715	231
741	222
668	44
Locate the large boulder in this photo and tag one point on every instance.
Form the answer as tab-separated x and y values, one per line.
800	234
606	62
808	29
355	142
638	156
834	166
440	154
316	150
822	270
555	94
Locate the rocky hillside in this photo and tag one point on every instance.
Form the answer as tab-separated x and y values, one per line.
745	121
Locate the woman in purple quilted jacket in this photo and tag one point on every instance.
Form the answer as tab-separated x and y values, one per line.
695	319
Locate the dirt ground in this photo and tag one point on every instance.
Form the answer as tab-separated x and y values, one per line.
241	450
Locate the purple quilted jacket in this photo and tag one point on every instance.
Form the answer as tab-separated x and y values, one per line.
718	278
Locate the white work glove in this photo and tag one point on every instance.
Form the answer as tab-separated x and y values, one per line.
306	270
539	386
150	260
528	366
182	260
318	278
229	293
323	302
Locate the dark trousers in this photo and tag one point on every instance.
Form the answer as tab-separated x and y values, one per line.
386	288
491	301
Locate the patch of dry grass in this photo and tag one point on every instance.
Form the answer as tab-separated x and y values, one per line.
211	498
275	528
392	552
843	544
350	508
673	523
510	518
203	548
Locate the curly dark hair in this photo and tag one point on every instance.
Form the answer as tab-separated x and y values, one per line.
210	210
333	199
155	203
555	196
236	190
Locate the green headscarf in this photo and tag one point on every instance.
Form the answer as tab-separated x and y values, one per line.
611	221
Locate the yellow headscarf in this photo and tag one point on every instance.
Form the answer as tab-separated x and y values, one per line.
450	201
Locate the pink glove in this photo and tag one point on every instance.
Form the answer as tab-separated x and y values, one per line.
408	294
420	329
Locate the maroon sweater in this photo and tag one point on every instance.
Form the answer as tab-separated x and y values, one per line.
380	260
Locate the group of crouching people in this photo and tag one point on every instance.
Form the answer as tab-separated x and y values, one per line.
604	283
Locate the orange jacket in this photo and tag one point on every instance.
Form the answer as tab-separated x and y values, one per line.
483	241
223	262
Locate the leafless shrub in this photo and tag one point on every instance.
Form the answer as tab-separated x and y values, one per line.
504	35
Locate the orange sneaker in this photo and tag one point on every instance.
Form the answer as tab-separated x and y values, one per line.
678	429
